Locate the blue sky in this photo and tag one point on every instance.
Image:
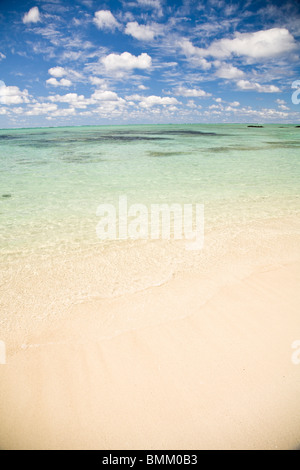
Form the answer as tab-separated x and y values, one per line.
86	62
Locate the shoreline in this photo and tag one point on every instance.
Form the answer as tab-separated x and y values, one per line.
143	344
44	286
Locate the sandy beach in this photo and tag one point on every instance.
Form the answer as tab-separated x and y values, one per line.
124	343
212	376
149	226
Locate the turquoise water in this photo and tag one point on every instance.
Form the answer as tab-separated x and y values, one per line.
52	180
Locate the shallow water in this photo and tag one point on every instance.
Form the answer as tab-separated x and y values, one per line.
53	180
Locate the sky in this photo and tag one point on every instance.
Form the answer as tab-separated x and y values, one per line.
90	62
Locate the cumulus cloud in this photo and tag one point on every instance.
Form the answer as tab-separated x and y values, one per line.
40	109
151	4
253	86
57	72
192	105
13	95
126	62
228	71
263	44
282	105
105	20
64	112
189	50
76	101
187	47
135	97
149	101
99	82
33	16
141	32
153	100
265	114
56	83
2	56
191	93
106	95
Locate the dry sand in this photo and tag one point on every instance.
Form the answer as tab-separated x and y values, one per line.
186	375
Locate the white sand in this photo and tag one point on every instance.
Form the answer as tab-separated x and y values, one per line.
183	376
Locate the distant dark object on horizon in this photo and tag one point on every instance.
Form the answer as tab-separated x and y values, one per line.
256	126
297	126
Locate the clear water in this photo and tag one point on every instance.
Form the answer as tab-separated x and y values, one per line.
52	181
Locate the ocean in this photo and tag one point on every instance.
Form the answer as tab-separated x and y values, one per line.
52	181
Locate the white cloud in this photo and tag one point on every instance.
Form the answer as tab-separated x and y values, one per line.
229	72
142	87
149	101
64	112
2	56
33	16
282	105
77	101
57	72
40	109
13	95
246	85
258	45
65	82
188	48
264	114
135	97
100	95
195	53
230	109
235	104
191	93
56	83
191	104
104	19
141	32
150	3
126	62
156	4
99	82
